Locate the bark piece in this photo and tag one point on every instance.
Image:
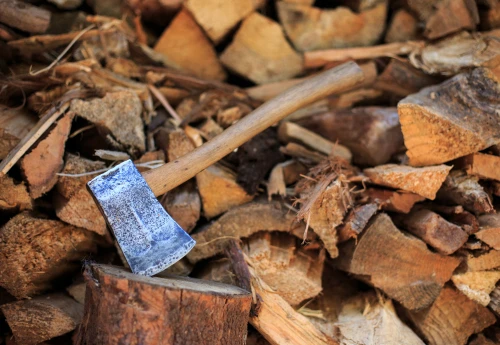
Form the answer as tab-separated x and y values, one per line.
356	221
293	272
261	53
403	27
452	319
424	181
14	197
24	16
240	222
118	118
186	48
41	165
184	205
489	231
458	110
434	230
219	191
371	319
460	189
168	309
451	16
398	264
312	28
482	165
42	318
73	203
14	125
393	201
35	251
477	285
218	17
373	134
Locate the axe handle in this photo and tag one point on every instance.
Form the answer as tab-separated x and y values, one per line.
174	173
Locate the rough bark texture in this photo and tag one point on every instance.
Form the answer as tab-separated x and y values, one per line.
121	307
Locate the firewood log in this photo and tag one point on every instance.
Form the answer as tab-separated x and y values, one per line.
490	18
451	16
416	274
14	196
35	251
77	291
124	307
482	165
187	48
403	27
155	11
356	221
438	117
495	301
14	125
261	53
489	232
483	262
389	200
477	285
42	318
184	205
24	16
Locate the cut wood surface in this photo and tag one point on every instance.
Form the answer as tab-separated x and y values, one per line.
373	134
477	285
451	16
434	230
42	318
403	27
184	205
389	200
35	251
24	16
14	125
424	181
396	263
489	233
241	222
312	28
186	47
451	319
41	165
483	165
356	221
483	262
166	308
260	52
458	110
14	196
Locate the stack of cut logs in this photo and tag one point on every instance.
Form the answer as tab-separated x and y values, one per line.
368	217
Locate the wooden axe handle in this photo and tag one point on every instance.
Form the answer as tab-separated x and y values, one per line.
172	174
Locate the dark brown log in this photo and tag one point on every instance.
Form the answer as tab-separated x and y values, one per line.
451	16
14	125
489	233
451	319
42	318
356	221
373	134
121	307
14	197
398	264
458	110
35	251
393	201
24	16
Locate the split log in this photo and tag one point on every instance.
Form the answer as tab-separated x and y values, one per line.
356	221
394	201
293	272
210	129
477	285
495	301
458	110
73	203
183	204
174	143
240	222
451	319
489	232
117	117
289	131
14	126
261	53
41	165
372	134
485	261
35	251
410	179
312	28
451	16
371	319
219	190
403	27
14	196
434	230
464	219
460	189
398	264
24	16
482	165
218	17
42	318
186	47
166	308
77	291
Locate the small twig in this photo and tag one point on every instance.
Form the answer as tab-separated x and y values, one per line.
165	103
81	130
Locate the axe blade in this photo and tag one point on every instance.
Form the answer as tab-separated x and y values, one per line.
150	239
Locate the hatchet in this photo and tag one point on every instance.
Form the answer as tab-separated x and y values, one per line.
149	238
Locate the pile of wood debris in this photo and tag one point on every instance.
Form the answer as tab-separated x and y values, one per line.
368	217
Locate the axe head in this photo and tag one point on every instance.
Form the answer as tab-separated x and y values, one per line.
149	238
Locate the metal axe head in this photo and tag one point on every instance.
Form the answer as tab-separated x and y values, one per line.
150	239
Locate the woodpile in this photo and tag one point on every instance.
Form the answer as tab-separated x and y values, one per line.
367	217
